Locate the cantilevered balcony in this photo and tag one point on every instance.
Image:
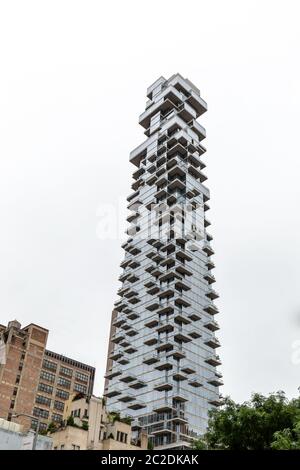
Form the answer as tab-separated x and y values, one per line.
209	277
181	336
216	380
164	405
152	305
213	360
212	325
113	391
132	332
138	405
166	291
207	249
165	309
179	375
116	354
211	308
194	381
209	263
186	367
114	372
165	363
151	339
178	417
131	350
119	321
165	325
212	342
127	397
128	377
198	175
150	359
132	315
163	428
198	129
194	316
215	402
181	317
163	386
194	333
152	322
154	289
124	360
138	384
164	345
178	352
212	294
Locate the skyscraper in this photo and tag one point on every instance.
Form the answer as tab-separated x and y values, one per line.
162	360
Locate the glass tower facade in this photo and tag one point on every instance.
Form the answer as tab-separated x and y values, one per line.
162	361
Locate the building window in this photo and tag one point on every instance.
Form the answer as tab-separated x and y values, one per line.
56	418
66	371
62	394
59	405
82	377
47	376
45	388
49	365
42	427
39	412
76	413
79	388
64	382
75	447
40	399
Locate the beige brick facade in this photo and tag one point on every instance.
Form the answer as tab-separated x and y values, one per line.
36	381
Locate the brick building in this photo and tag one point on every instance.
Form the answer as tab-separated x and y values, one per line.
35	381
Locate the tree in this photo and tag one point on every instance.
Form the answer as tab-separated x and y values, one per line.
262	423
287	439
52	427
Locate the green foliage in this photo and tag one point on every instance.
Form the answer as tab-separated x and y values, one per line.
287	439
52	427
199	444
85	426
115	416
270	422
70	421
150	445
126	420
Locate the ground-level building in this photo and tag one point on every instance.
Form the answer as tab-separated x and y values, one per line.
13	436
35	381
88	426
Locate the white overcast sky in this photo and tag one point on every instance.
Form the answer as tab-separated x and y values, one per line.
73	77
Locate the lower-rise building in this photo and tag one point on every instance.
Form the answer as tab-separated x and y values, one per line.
13	436
88	426
35	383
